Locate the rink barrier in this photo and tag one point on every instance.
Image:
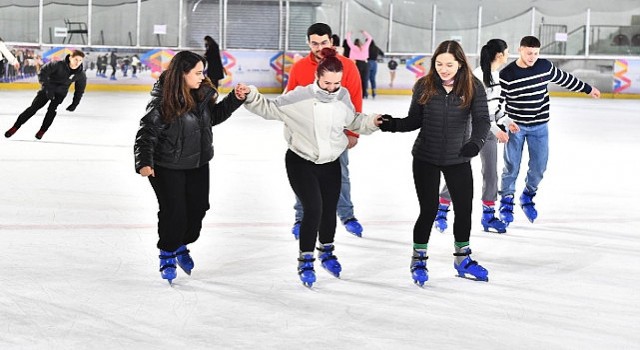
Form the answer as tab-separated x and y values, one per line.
271	90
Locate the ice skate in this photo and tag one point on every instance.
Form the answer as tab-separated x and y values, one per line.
353	226
490	221
40	133
440	223
418	266
466	266
10	132
305	269
168	265
328	260
528	206
506	209
184	259
295	230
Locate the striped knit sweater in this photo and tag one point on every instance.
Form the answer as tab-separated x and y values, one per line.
524	90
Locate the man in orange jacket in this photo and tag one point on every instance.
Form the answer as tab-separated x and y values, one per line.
303	73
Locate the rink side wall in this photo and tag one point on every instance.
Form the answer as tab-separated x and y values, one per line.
269	69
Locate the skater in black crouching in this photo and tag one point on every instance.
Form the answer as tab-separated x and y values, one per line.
315	117
173	148
444	103
55	79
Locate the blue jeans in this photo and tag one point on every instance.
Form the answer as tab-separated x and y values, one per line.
537	139
345	207
373	70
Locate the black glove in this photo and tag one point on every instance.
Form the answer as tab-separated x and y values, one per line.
469	150
51	94
72	107
388	123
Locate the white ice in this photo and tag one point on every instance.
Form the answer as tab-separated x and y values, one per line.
79	260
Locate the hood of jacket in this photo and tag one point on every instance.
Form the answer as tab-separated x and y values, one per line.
324	95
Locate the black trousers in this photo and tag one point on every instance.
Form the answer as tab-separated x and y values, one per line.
363	69
318	188
459	179
38	102
183	197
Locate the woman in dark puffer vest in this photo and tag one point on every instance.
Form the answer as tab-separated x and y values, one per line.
173	148
449	106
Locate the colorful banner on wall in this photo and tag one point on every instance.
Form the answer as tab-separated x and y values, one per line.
626	77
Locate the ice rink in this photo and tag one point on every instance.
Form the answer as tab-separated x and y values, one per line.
80	268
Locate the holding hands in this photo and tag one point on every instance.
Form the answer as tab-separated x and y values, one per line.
241	91
386	123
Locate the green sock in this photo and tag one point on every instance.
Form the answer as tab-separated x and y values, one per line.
461	244
420	245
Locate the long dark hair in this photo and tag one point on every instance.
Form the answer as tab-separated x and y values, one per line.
210	43
487	56
177	98
463	80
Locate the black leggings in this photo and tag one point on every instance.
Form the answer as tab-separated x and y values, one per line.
183	197
459	179
318	188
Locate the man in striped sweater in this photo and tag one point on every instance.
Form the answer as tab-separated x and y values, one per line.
526	102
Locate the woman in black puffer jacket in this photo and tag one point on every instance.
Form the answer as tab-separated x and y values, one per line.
173	148
449	106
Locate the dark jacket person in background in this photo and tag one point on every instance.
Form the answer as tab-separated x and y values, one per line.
55	79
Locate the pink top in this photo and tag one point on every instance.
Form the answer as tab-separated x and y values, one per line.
359	53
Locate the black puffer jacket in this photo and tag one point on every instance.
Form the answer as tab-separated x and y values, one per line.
59	76
444	126
186	143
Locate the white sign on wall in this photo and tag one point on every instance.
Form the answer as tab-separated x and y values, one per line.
60	32
159	29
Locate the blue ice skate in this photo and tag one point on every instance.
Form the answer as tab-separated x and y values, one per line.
305	269
418	266
184	259
506	209
469	266
295	230
167	265
328	260
528	206
353	226
440	223
490	221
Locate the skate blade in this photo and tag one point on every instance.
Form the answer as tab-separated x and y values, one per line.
333	274
307	284
487	229
419	283
472	277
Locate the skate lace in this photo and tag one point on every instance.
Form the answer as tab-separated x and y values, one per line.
327	253
306	264
419	262
470	262
184	252
166	262
442	213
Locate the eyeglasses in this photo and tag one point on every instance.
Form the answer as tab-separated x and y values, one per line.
325	43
